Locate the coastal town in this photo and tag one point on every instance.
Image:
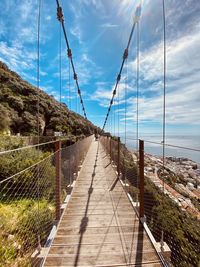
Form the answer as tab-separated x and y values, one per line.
181	178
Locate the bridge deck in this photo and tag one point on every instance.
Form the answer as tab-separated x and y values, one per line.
99	227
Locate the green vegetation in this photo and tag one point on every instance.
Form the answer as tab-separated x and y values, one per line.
4	119
24	211
15	162
181	232
27	214
18	112
20	222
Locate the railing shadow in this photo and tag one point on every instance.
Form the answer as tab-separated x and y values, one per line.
84	221
139	248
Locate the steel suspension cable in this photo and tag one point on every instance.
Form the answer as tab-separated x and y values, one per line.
125	103
164	105
137	84
69	53
125	56
125	117
60	67
118	112
69	103
69	84
38	113
137	115
114	115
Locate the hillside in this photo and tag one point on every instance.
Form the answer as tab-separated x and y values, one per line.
18	109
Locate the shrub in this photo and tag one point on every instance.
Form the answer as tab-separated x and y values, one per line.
4	119
35	223
20	223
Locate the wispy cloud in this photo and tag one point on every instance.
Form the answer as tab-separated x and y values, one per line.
98	32
109	25
104	92
18	58
18	48
182	99
77	33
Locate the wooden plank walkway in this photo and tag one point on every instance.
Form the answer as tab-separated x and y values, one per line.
99	227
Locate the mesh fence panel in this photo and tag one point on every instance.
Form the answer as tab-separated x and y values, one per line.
27	212
129	170
172	210
127	164
27	199
72	158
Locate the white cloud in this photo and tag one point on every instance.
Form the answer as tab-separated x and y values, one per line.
109	25
104	92
77	33
183	83
97	4
48	17
183	79
18	50
180	54
180	108
17	58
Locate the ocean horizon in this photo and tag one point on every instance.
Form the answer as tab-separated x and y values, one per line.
187	141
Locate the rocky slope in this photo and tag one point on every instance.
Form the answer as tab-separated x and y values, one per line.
18	109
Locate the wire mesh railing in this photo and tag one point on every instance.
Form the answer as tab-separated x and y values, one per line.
30	196
125	163
169	198
72	158
171	202
27	211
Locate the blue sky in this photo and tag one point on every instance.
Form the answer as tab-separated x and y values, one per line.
98	31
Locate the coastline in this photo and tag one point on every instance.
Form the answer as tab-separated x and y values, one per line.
181	176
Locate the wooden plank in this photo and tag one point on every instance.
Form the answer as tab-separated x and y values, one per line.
99	227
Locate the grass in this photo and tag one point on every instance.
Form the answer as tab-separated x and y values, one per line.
20	222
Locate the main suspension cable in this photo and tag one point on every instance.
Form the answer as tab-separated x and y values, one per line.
69	53
125	56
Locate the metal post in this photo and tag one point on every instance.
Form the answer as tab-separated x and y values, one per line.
118	158
58	179
141	173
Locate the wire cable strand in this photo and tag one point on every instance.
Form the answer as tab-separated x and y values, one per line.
69	52
125	56
38	112
164	105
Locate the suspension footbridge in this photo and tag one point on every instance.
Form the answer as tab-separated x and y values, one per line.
99	226
87	202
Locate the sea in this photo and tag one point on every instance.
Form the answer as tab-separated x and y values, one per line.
187	141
